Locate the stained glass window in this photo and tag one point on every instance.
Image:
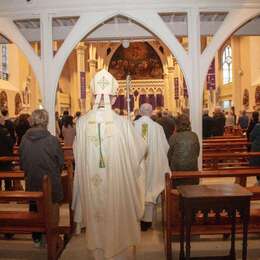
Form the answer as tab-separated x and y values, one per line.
227	65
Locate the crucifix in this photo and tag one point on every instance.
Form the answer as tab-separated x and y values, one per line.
103	82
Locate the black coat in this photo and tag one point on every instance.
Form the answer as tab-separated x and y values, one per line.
254	137
41	154
168	125
6	147
250	128
21	127
219	124
10	126
207	126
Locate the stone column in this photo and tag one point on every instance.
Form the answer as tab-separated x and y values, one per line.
80	52
47	80
195	95
92	64
236	79
170	88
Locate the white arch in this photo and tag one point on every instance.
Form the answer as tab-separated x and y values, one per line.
88	21
8	29
233	21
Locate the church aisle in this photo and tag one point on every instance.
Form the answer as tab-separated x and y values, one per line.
151	247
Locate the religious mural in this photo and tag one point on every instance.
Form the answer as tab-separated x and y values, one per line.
18	104
3	100
139	60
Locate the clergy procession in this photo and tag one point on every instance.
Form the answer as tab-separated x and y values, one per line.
129	130
119	169
114	171
117	173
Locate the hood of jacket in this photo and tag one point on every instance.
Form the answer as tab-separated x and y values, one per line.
35	134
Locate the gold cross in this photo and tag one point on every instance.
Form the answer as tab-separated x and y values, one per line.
103	82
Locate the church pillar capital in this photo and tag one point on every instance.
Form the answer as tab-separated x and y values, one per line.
92	63
81	49
170	69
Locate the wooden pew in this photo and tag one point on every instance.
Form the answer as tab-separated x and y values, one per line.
223	140
226	137
170	205
222	160
240	146
67	184
45	220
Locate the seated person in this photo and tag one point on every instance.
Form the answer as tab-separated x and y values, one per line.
41	154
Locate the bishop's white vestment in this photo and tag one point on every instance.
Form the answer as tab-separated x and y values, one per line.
156	160
108	194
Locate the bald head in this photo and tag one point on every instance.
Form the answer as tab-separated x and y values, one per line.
146	109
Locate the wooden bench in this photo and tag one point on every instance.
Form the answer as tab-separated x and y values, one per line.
67	184
240	146
226	137
170	205
222	140
45	220
220	160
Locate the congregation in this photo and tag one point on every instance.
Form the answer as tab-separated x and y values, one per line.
164	143
112	155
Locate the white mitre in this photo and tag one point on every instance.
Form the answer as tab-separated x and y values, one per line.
103	84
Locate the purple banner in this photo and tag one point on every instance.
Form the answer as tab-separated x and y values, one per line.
151	100
176	88
82	85
159	100
142	99
211	77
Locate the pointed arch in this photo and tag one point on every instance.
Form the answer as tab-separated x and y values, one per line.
234	20
89	21
10	31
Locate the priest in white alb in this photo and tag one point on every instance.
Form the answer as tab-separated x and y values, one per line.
156	160
108	195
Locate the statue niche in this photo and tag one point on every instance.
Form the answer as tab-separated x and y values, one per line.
139	60
18	104
3	100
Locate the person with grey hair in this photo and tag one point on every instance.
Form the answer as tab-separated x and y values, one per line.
156	161
41	154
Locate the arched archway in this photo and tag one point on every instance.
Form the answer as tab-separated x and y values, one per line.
11	32
149	67
234	20
88	23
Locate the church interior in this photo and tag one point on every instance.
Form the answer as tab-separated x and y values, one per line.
127	48
181	58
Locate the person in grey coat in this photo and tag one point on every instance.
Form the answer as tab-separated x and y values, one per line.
184	150
41	154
